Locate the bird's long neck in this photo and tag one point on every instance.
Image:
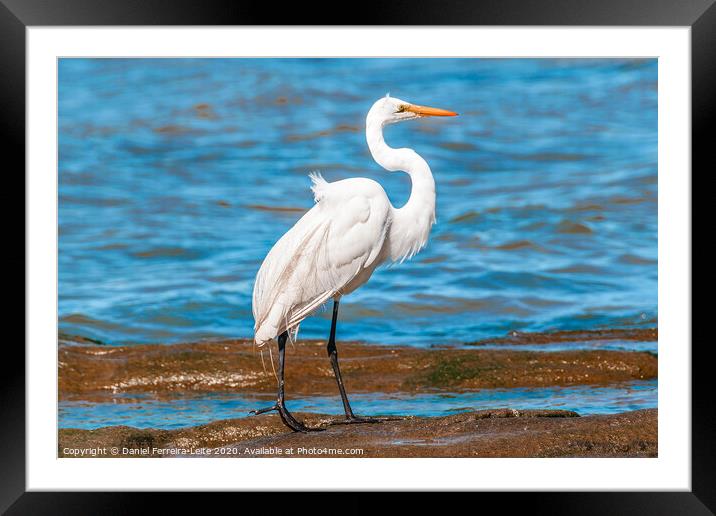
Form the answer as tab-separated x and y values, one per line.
411	224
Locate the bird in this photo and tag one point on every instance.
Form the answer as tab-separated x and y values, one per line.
335	247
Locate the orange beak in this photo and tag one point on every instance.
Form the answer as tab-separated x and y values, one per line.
428	111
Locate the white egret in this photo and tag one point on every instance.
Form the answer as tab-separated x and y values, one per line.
335	247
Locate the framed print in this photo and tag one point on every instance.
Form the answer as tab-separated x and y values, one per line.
384	256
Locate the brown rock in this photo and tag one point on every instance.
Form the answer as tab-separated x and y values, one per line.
233	365
487	433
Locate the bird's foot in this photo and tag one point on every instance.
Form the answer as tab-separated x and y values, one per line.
263	410
297	426
287	418
356	420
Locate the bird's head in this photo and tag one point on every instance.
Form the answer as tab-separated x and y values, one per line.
390	110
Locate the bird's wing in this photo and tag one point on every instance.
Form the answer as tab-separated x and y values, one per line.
341	236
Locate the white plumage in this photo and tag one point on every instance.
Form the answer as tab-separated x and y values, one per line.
335	247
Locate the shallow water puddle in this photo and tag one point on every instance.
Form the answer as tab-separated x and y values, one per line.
143	411
610	345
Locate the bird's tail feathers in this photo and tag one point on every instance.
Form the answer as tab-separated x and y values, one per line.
272	367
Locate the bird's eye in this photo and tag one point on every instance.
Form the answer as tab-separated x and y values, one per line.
401	108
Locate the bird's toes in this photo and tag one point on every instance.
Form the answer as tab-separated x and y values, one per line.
263	410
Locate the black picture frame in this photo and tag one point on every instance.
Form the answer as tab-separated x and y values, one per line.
17	15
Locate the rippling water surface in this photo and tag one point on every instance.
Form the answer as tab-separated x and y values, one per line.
191	410
177	175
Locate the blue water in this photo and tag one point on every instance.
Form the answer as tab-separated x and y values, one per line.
177	175
191	410
589	345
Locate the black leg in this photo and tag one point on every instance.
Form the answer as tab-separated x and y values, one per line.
280	405
333	355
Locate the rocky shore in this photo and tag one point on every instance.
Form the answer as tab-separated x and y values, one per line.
487	433
236	365
94	372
